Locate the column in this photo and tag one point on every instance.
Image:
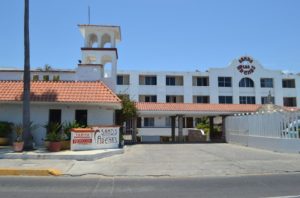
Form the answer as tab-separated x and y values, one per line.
134	129
223	129
211	126
180	128
173	125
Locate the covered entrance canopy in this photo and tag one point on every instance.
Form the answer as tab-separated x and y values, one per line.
182	110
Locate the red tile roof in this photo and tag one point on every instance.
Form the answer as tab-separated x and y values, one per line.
59	91
148	106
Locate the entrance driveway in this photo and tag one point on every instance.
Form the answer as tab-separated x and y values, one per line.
189	160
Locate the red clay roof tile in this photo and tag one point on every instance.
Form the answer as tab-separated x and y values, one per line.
59	91
148	106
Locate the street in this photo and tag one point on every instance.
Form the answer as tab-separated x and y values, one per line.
231	187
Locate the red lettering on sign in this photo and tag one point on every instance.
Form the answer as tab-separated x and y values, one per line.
82	141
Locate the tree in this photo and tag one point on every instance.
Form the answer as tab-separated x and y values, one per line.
46	67
127	113
128	110
26	86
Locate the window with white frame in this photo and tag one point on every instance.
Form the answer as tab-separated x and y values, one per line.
149	122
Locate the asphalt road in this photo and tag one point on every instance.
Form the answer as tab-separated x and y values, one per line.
286	186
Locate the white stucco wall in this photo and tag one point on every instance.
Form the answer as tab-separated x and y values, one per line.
213	90
40	115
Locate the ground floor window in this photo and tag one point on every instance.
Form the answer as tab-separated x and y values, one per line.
81	117
55	116
148	122
247	100
289	102
225	99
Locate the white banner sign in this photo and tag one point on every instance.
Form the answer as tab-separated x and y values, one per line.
95	138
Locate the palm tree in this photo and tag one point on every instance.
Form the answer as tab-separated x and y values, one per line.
26	93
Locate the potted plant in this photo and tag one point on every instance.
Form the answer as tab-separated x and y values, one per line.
53	136
66	137
5	130
18	143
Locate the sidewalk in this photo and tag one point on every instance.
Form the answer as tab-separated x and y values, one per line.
172	160
42	153
41	162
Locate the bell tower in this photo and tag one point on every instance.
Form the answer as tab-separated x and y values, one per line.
99	54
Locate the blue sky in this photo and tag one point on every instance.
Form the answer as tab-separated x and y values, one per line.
157	34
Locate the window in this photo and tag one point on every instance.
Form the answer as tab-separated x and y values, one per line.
224	81
266	82
119	80
46	78
147	80
148	122
147	98
35	77
200	81
56	78
81	117
289	101
174	80
201	99
174	99
170	80
123	80
288	83
247	100
55	116
225	99
264	100
246	82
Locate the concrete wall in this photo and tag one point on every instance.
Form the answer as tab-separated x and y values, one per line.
275	131
40	116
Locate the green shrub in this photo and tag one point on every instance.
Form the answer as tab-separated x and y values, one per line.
67	129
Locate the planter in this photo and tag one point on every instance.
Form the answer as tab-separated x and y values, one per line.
54	146
18	146
4	141
46	144
65	145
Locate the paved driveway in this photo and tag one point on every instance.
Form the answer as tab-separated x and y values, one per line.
189	160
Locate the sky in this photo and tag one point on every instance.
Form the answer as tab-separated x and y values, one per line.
179	35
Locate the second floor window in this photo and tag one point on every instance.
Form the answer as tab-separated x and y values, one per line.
147	80
224	81
266	82
288	83
174	80
202	81
123	80
246	82
201	99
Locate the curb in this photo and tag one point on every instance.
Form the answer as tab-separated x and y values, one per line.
61	156
29	172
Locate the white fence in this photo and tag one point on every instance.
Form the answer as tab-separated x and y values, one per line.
277	131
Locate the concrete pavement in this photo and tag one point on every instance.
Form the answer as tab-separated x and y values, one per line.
190	160
174	160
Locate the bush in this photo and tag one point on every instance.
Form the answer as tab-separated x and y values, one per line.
67	129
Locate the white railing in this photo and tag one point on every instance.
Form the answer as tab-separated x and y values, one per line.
275	131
